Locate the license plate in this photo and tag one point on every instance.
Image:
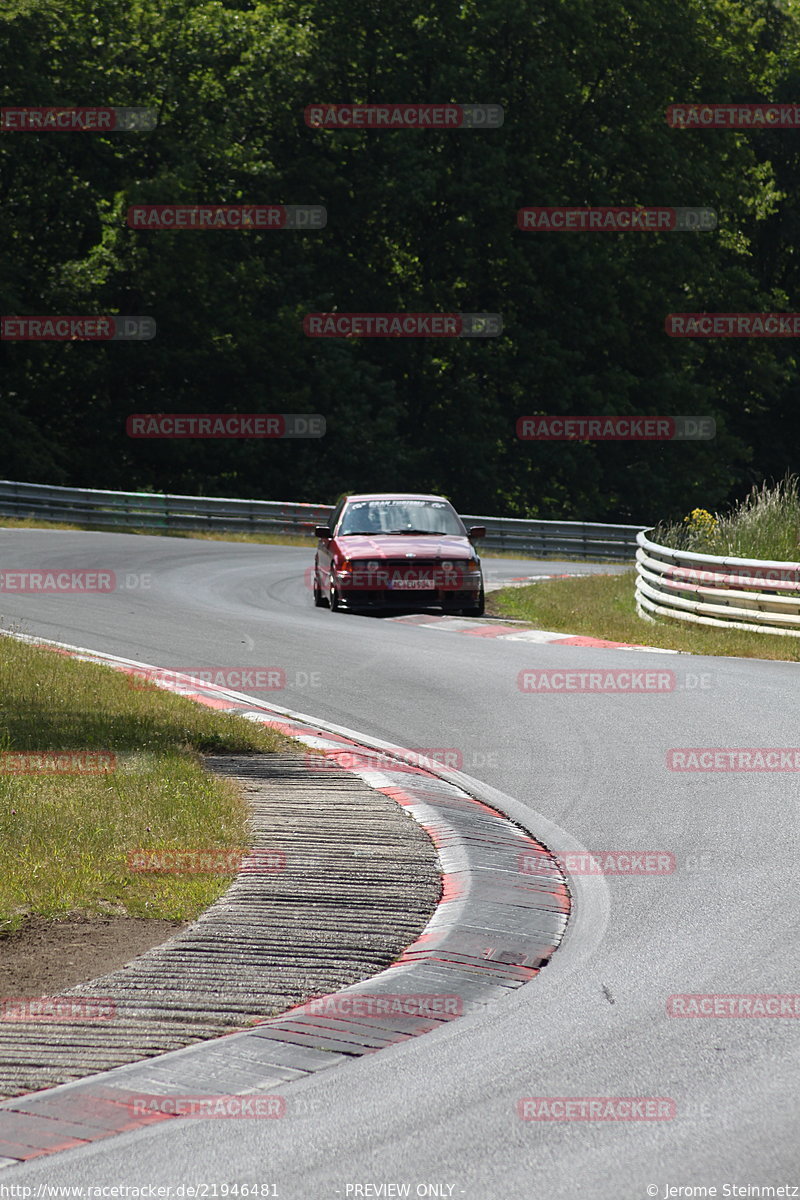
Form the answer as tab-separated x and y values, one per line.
420	585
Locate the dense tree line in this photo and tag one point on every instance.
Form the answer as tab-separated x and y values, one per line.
417	221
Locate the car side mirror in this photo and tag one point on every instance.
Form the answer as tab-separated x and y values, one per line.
322	531
477	531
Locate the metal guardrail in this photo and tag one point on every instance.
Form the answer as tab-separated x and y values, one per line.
706	589
569	539
161	513
157	511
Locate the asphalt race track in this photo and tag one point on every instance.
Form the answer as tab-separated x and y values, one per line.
438	1115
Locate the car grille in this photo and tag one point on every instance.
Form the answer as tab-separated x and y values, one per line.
398	564
390	573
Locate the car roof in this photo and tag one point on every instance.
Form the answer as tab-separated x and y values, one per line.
395	496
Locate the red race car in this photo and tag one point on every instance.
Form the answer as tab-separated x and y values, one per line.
398	551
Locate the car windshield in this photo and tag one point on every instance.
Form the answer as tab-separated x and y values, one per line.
400	516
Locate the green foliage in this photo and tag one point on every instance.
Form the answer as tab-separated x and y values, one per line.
417	221
765	524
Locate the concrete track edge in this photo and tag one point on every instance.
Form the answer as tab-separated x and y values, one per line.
495	928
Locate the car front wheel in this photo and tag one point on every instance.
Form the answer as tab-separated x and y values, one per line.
334	602
319	600
475	610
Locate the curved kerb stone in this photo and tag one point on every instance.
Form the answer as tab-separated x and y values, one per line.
503	912
338	881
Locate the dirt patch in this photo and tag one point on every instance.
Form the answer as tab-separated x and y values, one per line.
44	957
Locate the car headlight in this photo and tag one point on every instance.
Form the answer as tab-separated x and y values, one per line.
373	566
448	566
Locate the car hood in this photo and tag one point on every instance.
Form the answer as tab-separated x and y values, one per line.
387	545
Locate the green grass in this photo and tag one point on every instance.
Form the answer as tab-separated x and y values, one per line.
603	606
65	839
766	525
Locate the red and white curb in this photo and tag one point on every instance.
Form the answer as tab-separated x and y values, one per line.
512	633
497	924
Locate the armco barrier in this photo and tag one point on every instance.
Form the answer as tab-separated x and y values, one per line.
709	590
143	510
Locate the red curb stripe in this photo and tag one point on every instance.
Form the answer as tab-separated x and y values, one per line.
589	641
15	1150
426	949
23	1152
452	889
491	631
396	793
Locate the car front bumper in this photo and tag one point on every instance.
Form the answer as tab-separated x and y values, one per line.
464	593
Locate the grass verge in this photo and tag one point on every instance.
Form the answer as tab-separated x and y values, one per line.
765	524
603	606
65	839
